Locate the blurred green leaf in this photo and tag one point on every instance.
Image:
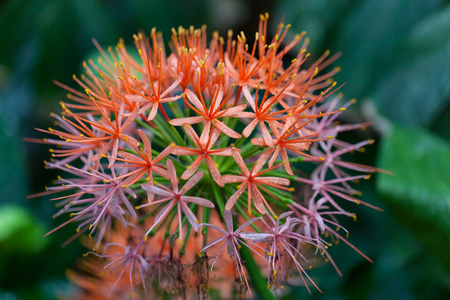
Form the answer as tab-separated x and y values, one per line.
417	87
19	231
419	192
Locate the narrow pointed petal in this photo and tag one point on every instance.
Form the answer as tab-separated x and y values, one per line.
261	161
192	168
153	112
198	201
248	97
173	175
205	133
226	130
250	127
235	197
239	161
266	135
156	190
190	216
146	142
161	215
191	182
214	171
194	100
190	120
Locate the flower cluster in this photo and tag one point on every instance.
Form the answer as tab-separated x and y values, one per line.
234	121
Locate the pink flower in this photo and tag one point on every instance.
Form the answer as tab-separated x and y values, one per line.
232	240
210	115
252	181
203	153
176	197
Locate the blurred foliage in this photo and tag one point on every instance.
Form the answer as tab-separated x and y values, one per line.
395	55
412	193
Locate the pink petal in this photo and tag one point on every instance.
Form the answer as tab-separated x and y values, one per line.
227	215
273	180
180	151
161	215
146	142
156	190
258	141
249	97
285	157
213	170
205	133
192	135
198	201
153	112
258	200
190	216
190	120
239	161
163	154
266	135
218	97
236	112
130	156
226	130
249	128
194	100
235	196
192	168
274	156
261	161
191	182
233	179
130	118
173	175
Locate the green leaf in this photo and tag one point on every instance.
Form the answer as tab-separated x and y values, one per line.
419	192
418	78
19	231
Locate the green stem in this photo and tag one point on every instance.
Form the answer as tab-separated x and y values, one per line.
259	283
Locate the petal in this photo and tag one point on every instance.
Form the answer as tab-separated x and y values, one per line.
274	156
249	97
192	168
246	224
228	217
273	180
232	179
192	135
235	111
191	182
232	200
156	190
172	175
261	161
205	133
285	157
226	130
214	171
190	120
250	127
266	135
217	100
153	112
190	216
194	100
146	142
198	201
161	215
258	200
239	161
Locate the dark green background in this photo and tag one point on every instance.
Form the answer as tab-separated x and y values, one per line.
396	62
